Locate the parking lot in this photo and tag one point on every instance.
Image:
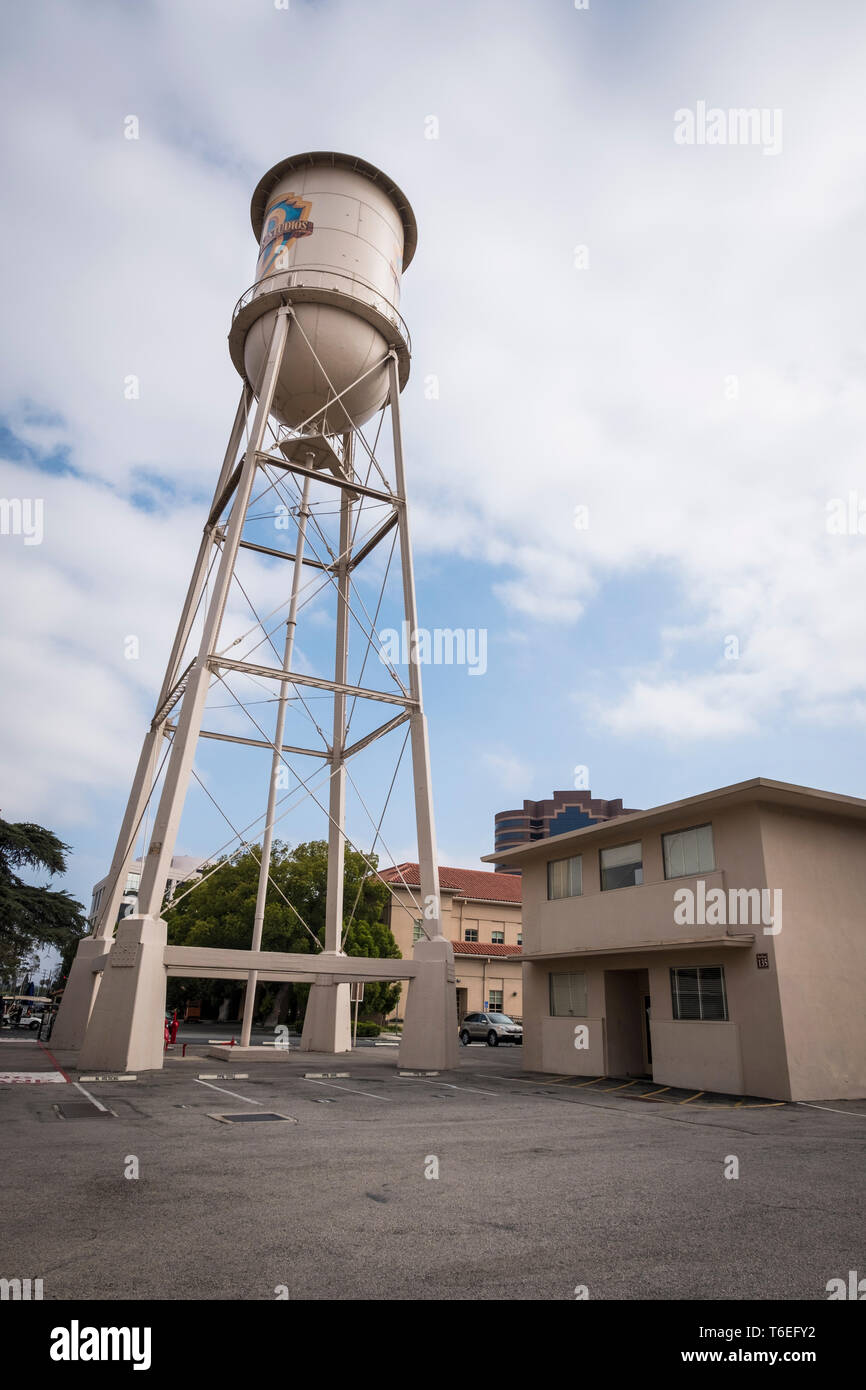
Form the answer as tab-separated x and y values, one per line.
482	1183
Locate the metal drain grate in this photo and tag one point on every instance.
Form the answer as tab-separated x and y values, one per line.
239	1117
82	1110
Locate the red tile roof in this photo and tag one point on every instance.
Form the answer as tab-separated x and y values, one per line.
477	884
485	948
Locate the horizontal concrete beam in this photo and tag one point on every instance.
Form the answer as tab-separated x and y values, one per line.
282	965
213	972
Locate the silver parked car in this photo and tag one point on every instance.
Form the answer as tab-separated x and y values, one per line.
491	1028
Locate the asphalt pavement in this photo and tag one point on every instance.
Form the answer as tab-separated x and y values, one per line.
482	1183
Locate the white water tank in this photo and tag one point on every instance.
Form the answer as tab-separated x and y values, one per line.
335	235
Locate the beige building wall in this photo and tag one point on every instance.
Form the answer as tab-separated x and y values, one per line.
475	976
820	864
479	977
795	1029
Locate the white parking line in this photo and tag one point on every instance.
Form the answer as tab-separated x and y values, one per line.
860	1113
198	1081
93	1101
352	1089
451	1087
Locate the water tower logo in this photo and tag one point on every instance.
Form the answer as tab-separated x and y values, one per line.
287	218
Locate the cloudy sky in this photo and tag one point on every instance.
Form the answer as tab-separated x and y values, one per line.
642	475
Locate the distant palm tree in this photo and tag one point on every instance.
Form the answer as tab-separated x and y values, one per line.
33	917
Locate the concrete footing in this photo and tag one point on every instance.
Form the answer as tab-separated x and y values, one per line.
119	1023
224	1052
127	1025
430	1040
79	994
327	1021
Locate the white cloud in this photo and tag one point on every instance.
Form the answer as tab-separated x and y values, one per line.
509	772
558	387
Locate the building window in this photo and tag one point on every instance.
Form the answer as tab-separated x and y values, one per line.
689	852
417	930
621	866
495	1002
132	882
497	938
568	995
520	938
699	992
565	877
470	934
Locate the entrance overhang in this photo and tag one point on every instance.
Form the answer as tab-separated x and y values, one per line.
642	947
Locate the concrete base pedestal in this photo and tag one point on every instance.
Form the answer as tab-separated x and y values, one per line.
83	981
327	1022
430	1041
225	1053
126	1031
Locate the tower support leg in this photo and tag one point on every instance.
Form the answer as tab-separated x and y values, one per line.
82	984
276	764
430	1016
157	861
327	1021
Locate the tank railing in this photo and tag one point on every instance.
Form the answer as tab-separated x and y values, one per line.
323	277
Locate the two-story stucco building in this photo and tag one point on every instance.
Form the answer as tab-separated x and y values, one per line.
480	914
717	943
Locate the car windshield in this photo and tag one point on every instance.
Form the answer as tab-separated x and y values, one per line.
500	1018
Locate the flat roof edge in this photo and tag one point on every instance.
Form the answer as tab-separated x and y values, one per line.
752	790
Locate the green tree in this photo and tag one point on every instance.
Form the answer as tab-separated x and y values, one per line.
219	912
33	917
374	939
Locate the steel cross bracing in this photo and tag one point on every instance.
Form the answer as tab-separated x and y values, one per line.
289	463
215	535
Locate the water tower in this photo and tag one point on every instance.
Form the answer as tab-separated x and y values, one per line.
337	234
321	347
